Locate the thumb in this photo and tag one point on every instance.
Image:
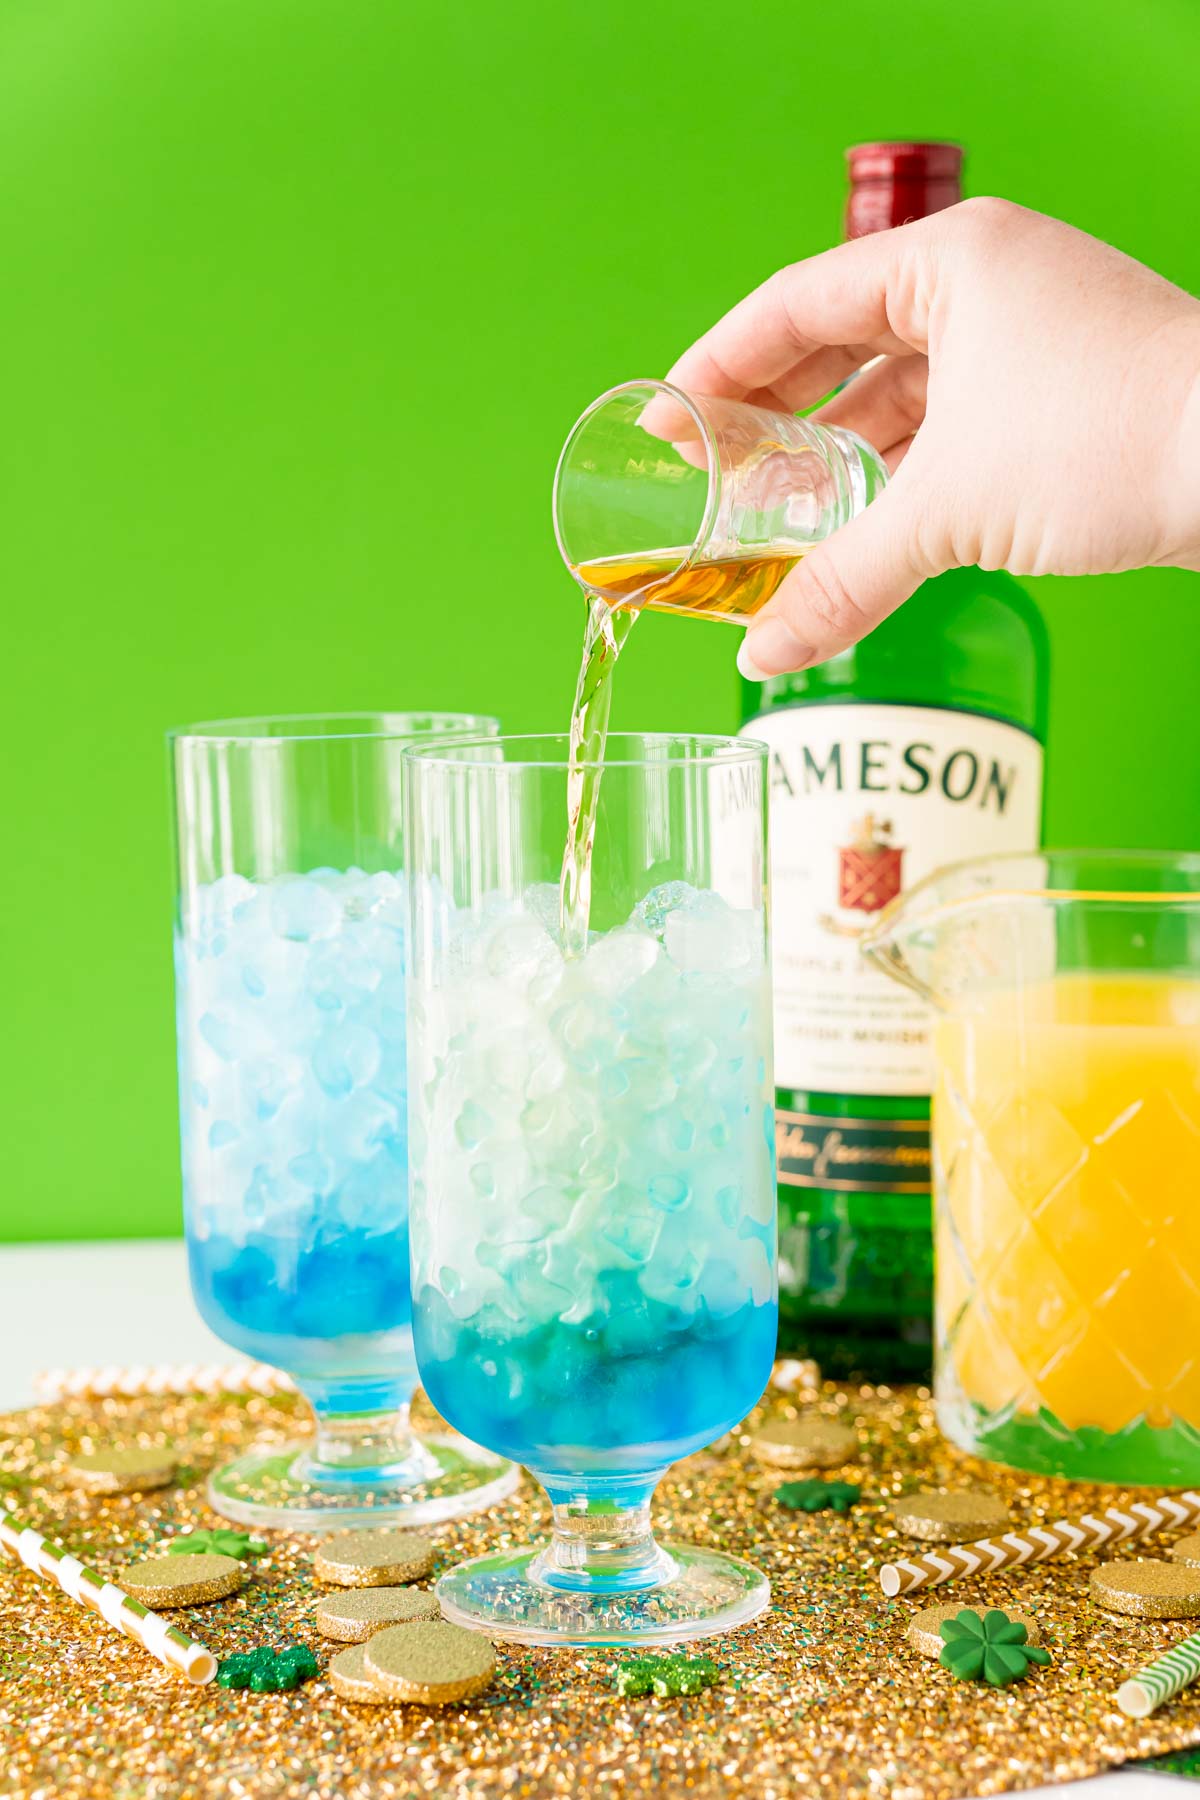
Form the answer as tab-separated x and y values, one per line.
842	589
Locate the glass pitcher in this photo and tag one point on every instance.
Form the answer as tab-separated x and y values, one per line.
1066	1155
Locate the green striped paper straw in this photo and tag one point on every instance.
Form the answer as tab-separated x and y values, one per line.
1149	1688
186	1655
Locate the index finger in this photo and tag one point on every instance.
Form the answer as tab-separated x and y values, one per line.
816	319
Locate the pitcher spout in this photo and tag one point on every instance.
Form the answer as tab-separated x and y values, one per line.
966	929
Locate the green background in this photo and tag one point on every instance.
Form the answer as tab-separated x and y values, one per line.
299	299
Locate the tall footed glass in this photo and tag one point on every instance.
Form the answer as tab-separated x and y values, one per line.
290	955
592	1144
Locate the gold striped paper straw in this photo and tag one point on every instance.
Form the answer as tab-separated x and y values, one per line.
1115	1525
180	1652
1162	1680
162	1378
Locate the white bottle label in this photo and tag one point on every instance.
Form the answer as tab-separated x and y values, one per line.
864	801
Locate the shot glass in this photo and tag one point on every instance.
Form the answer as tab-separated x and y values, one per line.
290	955
592	1155
696	505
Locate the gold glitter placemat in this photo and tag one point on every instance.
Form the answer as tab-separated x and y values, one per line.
821	1696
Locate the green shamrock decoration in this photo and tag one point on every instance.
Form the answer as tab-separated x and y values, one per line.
224	1543
666	1676
267	1671
991	1649
819	1496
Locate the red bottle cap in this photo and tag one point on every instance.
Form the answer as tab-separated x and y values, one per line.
891	183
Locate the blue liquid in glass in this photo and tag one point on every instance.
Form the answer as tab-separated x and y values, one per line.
594	1183
293	1085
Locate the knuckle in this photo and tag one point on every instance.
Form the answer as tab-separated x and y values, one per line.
985	215
824	597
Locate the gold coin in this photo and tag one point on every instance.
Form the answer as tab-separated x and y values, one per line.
374	1558
182	1580
430	1664
805	1443
1187	1550
133	1471
949	1518
924	1628
1150	1590
353	1617
348	1677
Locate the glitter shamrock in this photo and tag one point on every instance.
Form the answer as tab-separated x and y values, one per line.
222	1543
818	1496
991	1649
267	1671
666	1675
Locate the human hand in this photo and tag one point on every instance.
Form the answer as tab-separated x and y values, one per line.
1035	393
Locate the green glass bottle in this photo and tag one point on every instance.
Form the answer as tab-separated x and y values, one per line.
919	746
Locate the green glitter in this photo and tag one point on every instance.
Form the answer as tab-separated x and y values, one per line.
819	1496
220	1543
666	1676
991	1649
267	1671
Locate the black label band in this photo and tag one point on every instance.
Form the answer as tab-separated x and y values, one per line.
853	1156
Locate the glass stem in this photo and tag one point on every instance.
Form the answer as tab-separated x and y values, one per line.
601	1540
358	1447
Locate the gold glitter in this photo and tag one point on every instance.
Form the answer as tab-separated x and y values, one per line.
347	1676
373	1558
1149	1590
805	1443
924	1631
821	1686
1187	1550
434	1665
134	1471
163	1581
353	1617
949	1518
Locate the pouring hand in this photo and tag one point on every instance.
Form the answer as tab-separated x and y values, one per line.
1035	393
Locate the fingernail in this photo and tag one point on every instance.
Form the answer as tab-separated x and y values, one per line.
771	649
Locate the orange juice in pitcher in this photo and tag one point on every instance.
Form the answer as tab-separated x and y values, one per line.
1066	1137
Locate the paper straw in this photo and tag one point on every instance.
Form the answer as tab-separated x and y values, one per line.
1142	1693
157	1635
163	1378
1116	1525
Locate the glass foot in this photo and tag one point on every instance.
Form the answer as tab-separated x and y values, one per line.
278	1486
702	1593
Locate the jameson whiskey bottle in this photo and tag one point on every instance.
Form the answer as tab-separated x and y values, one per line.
920	746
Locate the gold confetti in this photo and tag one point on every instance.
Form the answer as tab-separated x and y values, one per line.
167	1581
1187	1550
373	1558
924	1631
1148	1590
347	1676
433	1665
353	1617
822	1683
805	1443
134	1471
953	1518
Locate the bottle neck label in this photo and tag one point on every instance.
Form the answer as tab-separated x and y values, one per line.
865	800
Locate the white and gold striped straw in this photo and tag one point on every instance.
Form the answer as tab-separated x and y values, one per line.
180	1652
1144	1692
162	1378
1115	1525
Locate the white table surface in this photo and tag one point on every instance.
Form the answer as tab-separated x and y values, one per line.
76	1305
